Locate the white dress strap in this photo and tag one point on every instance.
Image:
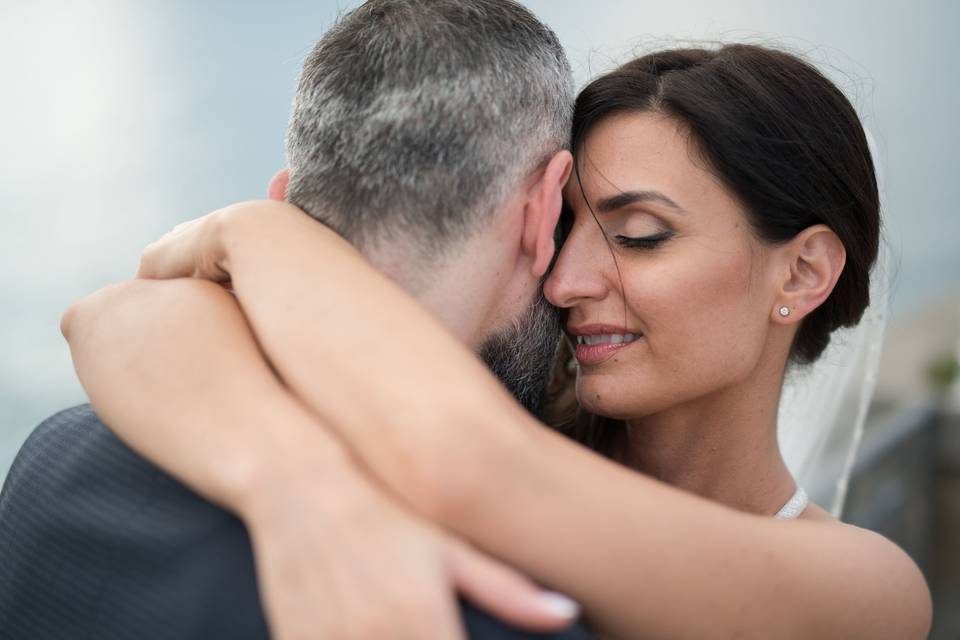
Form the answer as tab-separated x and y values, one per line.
794	506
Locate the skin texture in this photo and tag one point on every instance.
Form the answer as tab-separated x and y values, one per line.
631	549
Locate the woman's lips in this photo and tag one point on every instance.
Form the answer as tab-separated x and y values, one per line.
595	354
594	348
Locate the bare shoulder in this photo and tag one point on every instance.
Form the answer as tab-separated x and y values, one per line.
881	572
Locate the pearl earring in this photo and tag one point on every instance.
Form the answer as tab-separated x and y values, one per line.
784	311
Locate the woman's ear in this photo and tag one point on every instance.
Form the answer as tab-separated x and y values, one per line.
542	212
277	190
814	261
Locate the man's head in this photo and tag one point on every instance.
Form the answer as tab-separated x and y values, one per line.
432	135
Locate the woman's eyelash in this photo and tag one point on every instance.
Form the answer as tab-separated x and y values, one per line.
645	242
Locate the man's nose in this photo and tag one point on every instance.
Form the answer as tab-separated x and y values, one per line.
579	274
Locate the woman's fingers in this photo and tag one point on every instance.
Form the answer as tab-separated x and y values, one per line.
189	251
505	593
172	256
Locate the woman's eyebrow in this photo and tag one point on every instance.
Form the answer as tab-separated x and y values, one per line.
632	197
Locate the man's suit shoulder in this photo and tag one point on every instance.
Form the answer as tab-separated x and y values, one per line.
97	542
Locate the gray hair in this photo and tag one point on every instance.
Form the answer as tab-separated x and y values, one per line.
418	118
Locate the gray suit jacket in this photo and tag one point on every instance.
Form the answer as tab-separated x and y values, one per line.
96	542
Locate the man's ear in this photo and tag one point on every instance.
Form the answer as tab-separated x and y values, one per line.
542	211
278	185
814	262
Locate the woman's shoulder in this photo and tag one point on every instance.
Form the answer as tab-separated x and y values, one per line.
865	568
883	553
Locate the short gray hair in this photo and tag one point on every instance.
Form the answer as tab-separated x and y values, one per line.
418	118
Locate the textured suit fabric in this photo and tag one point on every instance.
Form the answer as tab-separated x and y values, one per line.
97	543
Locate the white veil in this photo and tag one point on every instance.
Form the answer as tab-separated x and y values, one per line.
824	406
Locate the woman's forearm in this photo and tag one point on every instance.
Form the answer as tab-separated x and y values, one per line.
335	329
214	422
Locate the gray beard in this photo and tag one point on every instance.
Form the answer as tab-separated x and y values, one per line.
521	356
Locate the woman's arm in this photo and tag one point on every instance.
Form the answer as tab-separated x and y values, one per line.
173	368
258	235
425	417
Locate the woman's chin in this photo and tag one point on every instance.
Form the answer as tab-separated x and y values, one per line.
607	403
618	398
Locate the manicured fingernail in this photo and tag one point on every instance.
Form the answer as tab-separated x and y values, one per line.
559	605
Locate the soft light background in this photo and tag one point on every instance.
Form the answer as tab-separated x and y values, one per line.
119	119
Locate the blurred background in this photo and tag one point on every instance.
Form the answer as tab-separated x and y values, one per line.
120	119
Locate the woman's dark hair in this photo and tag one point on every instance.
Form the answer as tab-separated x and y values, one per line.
780	136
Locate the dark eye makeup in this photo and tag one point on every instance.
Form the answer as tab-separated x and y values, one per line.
645	242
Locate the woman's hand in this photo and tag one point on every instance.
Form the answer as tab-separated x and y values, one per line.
197	248
345	561
191	250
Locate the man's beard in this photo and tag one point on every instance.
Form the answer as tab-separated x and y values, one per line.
521	356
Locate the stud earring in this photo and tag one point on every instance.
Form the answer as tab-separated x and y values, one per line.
784	311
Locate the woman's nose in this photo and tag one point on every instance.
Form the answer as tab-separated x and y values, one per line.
578	273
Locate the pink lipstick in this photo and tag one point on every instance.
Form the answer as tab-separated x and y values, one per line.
596	343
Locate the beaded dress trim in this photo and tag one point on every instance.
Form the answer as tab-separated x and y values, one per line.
794	506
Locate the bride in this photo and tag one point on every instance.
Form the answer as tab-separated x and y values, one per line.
720	224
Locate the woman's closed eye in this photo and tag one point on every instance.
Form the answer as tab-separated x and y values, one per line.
643	242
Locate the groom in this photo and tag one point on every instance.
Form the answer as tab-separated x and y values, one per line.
419	132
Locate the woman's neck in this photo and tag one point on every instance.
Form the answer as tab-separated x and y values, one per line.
722	447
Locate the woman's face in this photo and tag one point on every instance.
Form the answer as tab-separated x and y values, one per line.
688	314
